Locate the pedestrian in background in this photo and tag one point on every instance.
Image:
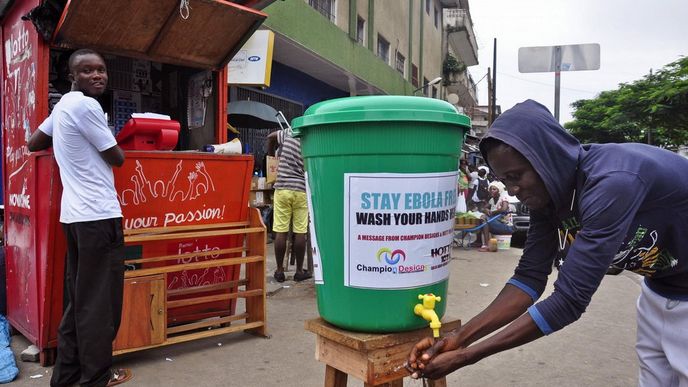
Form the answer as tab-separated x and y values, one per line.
627	205
290	203
91	218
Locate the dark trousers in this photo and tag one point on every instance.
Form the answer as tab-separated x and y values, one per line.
93	286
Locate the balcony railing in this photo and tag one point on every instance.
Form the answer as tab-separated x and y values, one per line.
460	34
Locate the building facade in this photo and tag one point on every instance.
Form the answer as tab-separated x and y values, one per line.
326	49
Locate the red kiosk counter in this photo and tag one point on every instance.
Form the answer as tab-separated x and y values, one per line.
188	226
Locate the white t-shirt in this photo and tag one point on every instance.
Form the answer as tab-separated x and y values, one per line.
79	130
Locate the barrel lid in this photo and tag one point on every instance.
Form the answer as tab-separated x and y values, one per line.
380	108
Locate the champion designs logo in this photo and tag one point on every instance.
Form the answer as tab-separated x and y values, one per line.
391	257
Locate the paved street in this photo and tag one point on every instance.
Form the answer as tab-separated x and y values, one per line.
596	351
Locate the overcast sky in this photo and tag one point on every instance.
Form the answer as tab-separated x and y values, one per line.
634	37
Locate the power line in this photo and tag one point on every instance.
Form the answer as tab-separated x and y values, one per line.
547	84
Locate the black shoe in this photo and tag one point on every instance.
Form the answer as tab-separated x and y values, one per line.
279	276
298	277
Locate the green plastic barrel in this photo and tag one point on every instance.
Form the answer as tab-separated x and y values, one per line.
382	178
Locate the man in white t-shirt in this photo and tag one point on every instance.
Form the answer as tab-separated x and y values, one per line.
91	218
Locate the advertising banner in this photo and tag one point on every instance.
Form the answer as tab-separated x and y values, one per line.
398	228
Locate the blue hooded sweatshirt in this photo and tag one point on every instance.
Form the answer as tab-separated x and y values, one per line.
626	205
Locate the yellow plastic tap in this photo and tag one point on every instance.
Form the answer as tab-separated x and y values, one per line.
427	311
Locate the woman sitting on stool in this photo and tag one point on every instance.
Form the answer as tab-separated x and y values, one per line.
497	204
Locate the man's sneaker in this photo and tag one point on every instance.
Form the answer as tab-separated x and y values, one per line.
279	276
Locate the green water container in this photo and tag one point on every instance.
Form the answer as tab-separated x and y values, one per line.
382	179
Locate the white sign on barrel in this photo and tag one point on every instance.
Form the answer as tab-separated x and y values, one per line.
398	229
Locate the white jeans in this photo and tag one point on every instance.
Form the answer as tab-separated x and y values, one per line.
662	343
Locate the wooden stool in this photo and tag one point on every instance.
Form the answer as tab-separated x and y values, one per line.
376	359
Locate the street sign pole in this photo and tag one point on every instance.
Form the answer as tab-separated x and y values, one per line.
557	80
555	59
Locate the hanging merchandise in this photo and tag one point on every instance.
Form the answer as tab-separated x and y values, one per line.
200	88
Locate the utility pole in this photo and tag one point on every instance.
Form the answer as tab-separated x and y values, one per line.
489	98
494	82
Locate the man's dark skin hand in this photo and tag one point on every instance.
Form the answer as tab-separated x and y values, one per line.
430	359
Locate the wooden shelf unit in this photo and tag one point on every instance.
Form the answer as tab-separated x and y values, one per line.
147	299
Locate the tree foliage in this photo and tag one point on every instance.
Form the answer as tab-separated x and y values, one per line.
657	103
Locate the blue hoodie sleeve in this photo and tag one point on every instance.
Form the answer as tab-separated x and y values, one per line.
536	262
608	205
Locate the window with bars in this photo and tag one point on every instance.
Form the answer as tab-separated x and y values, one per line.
382	48
414	75
325	7
360	31
400	63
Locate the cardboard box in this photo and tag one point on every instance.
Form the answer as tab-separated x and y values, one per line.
271	169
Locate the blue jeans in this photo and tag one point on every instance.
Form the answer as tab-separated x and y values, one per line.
499	228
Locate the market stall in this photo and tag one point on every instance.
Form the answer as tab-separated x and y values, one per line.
187	223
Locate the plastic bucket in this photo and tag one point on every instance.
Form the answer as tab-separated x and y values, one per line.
503	242
382	173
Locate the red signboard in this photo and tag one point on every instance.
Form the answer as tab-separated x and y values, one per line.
24	101
164	189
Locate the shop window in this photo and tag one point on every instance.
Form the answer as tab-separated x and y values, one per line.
414	75
360	31
382	48
325	7
400	63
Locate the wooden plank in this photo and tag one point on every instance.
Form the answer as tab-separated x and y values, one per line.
213	332
195	336
334	377
206	288
163	258
343	358
204	324
191	266
217	297
255	273
386	364
370	341
225	27
189	235
130	25
193	227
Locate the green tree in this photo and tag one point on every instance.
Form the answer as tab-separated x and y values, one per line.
653	109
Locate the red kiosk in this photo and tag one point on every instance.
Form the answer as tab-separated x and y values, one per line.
188	226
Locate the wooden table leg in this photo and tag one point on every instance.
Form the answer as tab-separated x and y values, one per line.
334	377
394	383
441	382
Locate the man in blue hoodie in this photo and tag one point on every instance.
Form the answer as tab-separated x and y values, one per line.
626	205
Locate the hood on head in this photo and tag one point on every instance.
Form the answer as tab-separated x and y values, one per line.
531	129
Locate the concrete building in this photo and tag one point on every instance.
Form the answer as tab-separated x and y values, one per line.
480	118
326	49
